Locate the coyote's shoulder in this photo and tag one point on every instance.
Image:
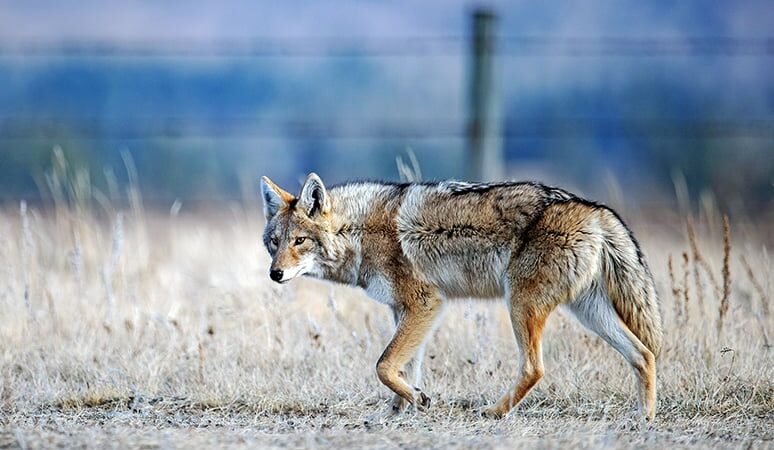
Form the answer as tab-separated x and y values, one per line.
415	245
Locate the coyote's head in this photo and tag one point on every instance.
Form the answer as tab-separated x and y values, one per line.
297	229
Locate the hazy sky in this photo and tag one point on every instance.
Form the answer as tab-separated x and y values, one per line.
153	20
422	85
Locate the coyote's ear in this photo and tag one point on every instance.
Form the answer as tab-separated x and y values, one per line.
314	198
274	198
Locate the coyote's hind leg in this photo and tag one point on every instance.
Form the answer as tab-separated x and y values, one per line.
528	321
595	311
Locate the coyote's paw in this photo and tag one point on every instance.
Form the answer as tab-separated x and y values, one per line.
421	401
649	415
491	412
398	404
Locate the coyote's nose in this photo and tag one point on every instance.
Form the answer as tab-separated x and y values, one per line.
276	275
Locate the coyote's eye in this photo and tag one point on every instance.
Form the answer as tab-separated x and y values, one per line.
299	240
274	241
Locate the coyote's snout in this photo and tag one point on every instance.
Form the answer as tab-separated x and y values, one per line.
417	246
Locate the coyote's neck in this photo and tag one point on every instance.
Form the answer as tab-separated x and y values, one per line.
353	210
353	204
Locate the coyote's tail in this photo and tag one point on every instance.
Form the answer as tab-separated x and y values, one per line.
630	285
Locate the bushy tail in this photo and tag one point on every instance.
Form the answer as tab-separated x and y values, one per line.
630	285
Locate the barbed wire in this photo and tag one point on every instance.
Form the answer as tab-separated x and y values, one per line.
455	45
384	128
182	127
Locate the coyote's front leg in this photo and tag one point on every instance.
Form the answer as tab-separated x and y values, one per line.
412	371
415	319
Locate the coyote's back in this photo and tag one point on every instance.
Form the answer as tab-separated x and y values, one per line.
462	237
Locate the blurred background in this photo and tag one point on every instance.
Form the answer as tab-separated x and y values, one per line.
635	100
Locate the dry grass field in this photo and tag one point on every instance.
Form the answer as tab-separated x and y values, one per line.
144	330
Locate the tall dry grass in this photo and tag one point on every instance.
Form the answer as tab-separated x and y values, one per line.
137	322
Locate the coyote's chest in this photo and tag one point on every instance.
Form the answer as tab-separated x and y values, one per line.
381	289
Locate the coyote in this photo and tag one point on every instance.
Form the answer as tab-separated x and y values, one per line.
415	246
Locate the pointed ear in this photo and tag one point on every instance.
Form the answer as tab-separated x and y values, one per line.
274	198
314	198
